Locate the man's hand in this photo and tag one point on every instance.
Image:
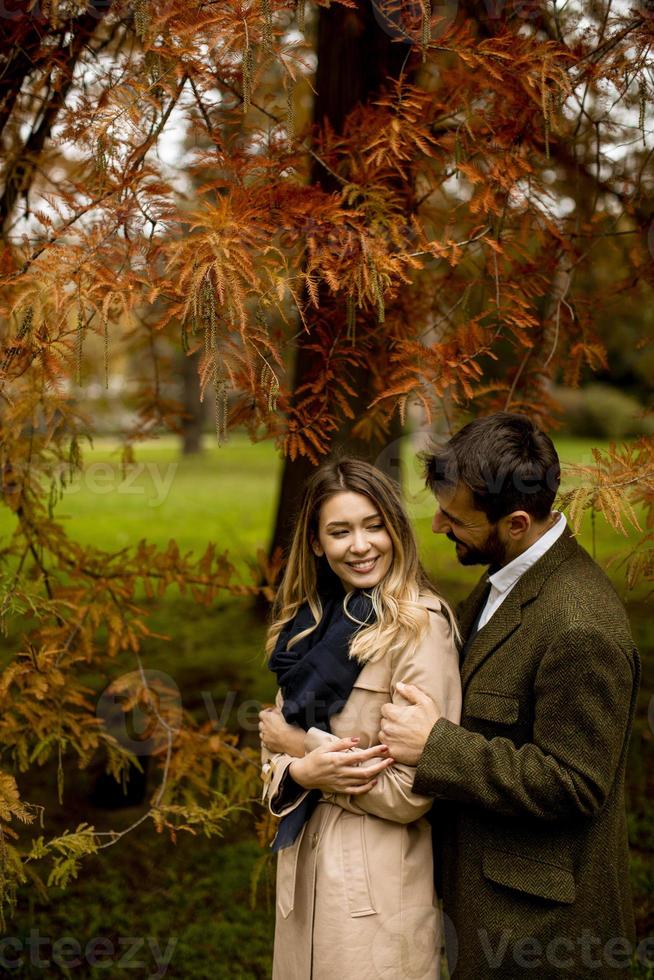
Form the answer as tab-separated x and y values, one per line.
339	767
406	729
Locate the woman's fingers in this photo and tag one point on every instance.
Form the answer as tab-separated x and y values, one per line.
342	743
366	773
360	790
356	757
374	752
345	779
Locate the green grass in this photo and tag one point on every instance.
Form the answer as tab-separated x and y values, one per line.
227	495
198	891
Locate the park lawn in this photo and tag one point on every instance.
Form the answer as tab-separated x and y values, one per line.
226	495
199	891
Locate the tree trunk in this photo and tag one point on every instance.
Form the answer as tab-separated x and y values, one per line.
355	59
194	409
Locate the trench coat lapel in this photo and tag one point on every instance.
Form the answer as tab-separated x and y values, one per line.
508	617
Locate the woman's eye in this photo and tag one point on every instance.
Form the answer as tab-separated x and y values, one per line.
370	527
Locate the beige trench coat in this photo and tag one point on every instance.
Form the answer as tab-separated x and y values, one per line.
355	895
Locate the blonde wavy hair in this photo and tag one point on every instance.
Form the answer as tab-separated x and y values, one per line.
400	619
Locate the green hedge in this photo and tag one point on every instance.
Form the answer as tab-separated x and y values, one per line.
602	412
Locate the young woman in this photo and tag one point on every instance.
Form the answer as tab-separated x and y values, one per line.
355	615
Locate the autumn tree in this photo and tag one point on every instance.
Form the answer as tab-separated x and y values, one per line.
419	241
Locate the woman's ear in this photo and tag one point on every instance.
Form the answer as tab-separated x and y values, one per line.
317	548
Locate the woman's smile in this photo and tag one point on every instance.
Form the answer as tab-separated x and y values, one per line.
363	565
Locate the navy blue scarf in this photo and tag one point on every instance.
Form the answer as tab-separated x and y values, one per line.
316	677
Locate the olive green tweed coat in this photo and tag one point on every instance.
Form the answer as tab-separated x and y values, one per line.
529	813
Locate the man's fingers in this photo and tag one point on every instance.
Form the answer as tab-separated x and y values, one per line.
412	693
390	711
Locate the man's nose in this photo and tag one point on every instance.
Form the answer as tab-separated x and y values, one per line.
439	525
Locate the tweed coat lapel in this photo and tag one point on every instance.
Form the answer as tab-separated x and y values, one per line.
509	616
469	609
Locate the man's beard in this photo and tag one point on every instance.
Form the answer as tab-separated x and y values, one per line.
491	552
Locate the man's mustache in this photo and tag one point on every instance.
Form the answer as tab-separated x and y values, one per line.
453	537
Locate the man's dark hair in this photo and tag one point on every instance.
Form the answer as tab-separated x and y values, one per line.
506	462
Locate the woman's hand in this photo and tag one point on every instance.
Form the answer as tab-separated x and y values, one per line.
277	735
339	767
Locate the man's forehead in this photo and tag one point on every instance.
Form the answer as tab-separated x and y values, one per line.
457	500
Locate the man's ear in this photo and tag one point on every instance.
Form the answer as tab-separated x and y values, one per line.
518	523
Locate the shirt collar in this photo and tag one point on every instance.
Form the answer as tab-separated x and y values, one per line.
507	576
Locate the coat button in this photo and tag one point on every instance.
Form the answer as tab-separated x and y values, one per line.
314	840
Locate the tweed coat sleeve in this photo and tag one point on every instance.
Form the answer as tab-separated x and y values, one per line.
582	695
433	667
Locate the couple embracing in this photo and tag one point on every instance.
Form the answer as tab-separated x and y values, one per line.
414	755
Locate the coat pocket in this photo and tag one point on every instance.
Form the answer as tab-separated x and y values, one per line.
491	706
543	880
355	865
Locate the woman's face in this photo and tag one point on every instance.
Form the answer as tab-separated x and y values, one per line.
353	538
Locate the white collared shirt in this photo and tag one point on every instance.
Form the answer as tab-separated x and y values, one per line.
506	578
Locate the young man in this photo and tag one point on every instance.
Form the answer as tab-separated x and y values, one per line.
529	819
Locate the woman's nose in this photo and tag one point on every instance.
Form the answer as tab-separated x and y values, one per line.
360	544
